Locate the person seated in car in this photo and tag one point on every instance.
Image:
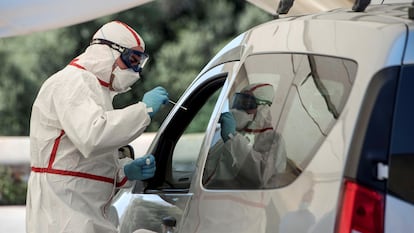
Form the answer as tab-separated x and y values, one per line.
250	152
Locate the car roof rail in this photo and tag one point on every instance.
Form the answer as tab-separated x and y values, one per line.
284	6
411	11
360	5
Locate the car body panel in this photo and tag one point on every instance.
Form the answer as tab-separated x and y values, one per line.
380	45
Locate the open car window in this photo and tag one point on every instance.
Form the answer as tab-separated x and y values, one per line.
186	151
178	147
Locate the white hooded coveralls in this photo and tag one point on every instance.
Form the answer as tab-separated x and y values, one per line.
74	137
252	157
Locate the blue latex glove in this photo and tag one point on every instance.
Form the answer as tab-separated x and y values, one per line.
155	98
141	168
228	125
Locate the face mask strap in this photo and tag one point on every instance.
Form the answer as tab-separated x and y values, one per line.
125	53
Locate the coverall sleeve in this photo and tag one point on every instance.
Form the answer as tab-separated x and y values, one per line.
254	165
121	177
246	163
86	115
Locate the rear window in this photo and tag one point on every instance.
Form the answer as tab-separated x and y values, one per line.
299	98
402	147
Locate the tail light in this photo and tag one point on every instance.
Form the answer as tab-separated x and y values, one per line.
361	210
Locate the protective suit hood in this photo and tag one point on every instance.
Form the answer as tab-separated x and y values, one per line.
261	91
98	58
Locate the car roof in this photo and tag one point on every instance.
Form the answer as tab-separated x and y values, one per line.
374	15
386	13
380	41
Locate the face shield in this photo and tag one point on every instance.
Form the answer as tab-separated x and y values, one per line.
133	59
242	101
246	102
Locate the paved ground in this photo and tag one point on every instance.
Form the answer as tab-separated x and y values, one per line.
12	219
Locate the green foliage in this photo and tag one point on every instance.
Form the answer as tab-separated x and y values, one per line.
17	93
28	61
12	188
181	36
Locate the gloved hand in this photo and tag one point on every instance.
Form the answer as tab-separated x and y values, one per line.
141	168
154	99
228	125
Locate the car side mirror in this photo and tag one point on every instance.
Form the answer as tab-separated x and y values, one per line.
126	152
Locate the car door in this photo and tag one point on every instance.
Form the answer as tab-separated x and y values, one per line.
308	99
176	148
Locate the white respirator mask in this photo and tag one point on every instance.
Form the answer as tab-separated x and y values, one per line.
242	118
124	79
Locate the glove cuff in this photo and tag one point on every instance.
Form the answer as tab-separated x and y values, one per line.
229	136
150	111
124	171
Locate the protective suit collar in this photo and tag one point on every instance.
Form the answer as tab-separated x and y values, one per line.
98	59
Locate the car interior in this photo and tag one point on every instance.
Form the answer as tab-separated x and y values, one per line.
165	178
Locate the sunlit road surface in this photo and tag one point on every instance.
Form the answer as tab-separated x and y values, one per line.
12	219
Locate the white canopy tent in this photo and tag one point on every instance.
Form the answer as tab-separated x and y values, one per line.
19	17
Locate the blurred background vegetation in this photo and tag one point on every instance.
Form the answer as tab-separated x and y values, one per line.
181	37
13	184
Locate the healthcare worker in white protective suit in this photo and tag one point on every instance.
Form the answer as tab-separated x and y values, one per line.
251	152
75	134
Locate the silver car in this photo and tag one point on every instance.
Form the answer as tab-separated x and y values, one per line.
343	105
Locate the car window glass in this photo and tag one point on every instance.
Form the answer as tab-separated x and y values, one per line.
187	148
298	98
402	148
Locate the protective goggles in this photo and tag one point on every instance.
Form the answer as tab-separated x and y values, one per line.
133	59
244	101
